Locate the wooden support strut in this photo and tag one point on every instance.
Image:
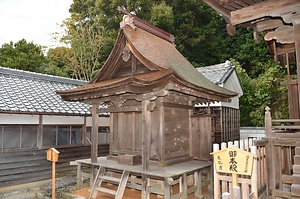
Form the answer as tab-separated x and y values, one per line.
145	135
297	49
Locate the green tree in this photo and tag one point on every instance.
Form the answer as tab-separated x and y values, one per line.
84	40
22	55
270	93
261	92
57	58
201	36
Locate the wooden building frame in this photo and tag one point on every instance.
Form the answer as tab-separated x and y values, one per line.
279	21
33	118
150	91
225	115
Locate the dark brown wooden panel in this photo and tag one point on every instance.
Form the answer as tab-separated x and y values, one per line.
29	165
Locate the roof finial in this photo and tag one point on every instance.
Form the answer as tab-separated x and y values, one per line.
127	18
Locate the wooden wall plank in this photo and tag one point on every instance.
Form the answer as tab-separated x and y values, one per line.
17	170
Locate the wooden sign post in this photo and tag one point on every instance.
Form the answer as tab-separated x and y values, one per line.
234	161
52	155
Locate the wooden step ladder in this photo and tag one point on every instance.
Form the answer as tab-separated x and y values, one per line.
102	177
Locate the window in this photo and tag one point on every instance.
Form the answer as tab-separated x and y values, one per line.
103	135
18	137
62	135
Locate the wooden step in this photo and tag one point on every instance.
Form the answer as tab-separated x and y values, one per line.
110	179
106	190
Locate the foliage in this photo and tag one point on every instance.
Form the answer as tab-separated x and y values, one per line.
200	35
84	39
162	16
57	59
247	100
261	92
270	93
22	55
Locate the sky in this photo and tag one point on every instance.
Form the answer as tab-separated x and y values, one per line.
33	20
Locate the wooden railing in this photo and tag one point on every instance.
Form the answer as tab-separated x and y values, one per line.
282	140
281	128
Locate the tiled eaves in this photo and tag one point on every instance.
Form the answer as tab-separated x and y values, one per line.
34	93
218	73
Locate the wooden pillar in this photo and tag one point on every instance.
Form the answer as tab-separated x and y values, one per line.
268	122
145	135
94	136
83	134
40	133
94	142
296	24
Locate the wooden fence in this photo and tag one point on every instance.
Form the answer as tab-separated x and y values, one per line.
252	186
283	152
24	166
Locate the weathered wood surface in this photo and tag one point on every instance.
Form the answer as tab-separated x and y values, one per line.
23	166
158	180
225	124
295	188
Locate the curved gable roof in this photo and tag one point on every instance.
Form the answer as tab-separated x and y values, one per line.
156	52
164	55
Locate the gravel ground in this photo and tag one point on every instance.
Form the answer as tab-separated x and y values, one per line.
64	184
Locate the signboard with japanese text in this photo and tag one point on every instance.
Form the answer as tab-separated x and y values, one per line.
233	160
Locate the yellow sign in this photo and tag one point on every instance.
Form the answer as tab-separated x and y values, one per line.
233	160
52	155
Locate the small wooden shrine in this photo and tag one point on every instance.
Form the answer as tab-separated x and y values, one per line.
150	91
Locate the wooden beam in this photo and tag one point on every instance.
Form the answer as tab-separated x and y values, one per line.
146	135
297	48
94	136
40	133
268	24
269	8
216	6
283	34
137	108
287	48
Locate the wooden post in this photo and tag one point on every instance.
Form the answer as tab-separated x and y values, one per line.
296	24
52	155
216	176
268	122
94	136
234	180
145	135
40	133
254	179
94	144
53	180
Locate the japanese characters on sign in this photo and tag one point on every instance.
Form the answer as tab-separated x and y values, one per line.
233	160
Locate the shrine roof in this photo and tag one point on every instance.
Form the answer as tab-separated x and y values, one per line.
156	51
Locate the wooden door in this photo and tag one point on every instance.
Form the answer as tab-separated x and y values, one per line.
201	137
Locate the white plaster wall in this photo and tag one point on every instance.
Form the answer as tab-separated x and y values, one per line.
252	132
103	121
62	120
18	119
48	119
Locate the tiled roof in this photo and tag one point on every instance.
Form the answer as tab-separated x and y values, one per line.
218	73
34	93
